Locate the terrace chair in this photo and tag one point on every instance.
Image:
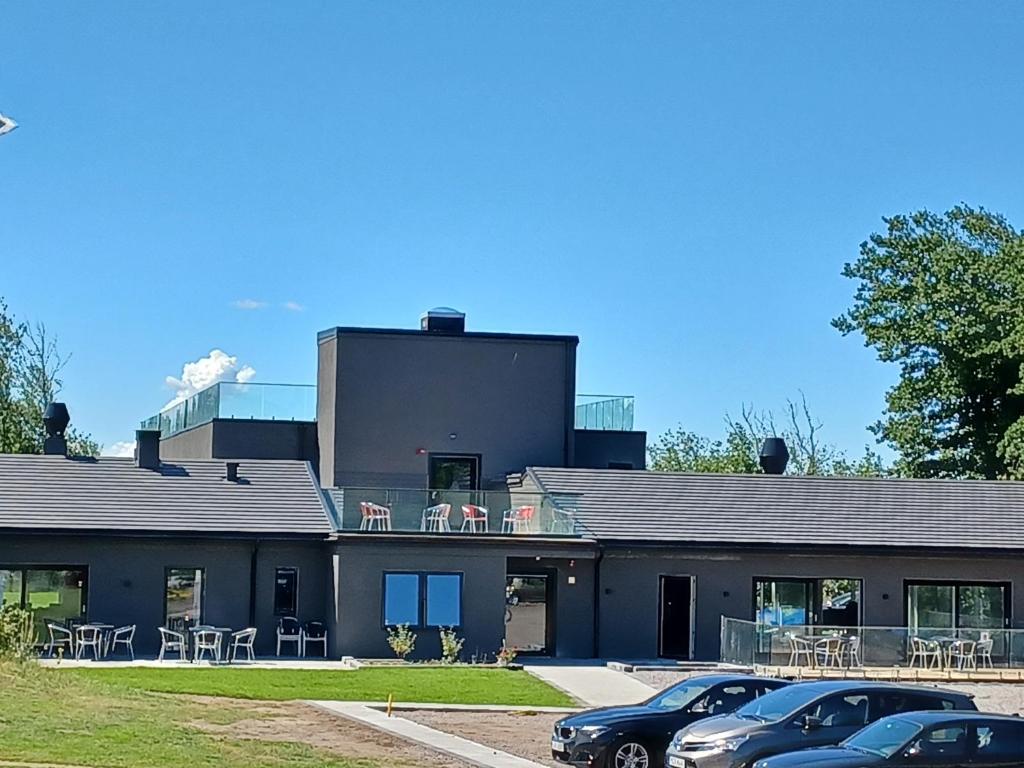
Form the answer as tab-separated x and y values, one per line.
123	636
984	650
89	637
171	641
517	520
853	650
962	654
289	631
925	652
799	648
243	639
474	518
435	518
314	632
207	640
828	652
562	521
60	637
374	515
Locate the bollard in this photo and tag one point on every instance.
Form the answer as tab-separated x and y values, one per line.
391	701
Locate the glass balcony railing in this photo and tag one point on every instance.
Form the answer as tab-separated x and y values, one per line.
455	513
233	400
612	413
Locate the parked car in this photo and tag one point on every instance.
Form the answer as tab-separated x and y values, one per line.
923	740
636	736
800	716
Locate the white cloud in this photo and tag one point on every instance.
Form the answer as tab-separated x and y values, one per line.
293	306
248	304
201	373
120	448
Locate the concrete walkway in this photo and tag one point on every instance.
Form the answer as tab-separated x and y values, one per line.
344	665
456	746
593	684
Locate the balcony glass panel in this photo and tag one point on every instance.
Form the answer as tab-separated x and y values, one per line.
612	413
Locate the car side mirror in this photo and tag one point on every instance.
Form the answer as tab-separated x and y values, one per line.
811	723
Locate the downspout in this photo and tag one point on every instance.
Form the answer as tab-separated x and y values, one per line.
253	559
597	602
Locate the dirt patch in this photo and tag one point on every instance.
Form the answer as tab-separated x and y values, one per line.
518	733
300	723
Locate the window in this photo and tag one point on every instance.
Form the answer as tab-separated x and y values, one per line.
794	602
949	608
897	702
942	744
998	742
286	588
183	596
422	599
841	711
52	594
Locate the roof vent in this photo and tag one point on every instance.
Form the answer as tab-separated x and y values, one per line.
147	448
56	419
443	320
231	471
774	456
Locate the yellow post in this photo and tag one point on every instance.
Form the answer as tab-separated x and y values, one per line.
391	701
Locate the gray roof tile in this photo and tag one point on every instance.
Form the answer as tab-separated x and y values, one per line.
112	494
793	510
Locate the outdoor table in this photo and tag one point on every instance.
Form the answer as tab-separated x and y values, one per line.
221	631
105	630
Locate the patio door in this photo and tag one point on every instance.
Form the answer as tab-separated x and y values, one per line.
450	472
675	617
528	604
961	609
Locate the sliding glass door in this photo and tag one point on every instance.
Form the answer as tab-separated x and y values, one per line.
55	594
807	602
959	608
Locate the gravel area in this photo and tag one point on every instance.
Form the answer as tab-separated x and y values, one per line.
525	734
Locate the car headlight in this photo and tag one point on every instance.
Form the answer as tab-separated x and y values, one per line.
729	745
593	731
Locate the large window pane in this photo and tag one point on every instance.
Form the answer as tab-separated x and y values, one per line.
840	602
929	606
981	606
781	603
401	599
10	588
184	597
526	613
444	600
54	596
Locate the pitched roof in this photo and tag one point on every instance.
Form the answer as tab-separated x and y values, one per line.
113	495
790	510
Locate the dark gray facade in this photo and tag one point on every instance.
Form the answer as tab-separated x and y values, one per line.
244	439
604	449
387	400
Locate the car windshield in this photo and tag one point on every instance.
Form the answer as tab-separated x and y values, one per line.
778	704
883	738
678	696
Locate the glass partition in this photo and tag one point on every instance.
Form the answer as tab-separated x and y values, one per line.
605	412
54	595
183	597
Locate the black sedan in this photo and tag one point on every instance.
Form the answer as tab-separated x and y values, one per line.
636	736
920	739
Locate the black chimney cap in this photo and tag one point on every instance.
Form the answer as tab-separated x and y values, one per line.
56	419
774	456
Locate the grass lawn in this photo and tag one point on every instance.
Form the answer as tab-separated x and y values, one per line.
48	716
455	685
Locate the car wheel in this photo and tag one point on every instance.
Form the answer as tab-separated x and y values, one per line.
630	754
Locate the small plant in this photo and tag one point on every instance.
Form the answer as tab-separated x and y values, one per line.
402	640
451	645
506	655
17	635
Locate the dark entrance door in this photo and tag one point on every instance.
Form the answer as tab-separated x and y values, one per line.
453	473
674	632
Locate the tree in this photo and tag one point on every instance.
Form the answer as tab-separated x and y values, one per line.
30	378
942	296
679	450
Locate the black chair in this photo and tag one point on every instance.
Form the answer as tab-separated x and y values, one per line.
289	631
315	632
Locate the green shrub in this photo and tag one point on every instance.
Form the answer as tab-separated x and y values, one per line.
17	635
451	645
402	640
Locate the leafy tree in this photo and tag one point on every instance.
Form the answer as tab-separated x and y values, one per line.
680	450
30	378
942	296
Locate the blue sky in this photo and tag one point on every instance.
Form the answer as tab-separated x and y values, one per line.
677	183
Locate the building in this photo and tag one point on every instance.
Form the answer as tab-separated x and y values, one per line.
442	477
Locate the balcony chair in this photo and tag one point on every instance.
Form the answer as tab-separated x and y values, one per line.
926	652
243	639
314	632
562	521
474	518
171	641
207	640
962	655
374	515
853	651
828	652
60	637
435	518
88	637
289	631
984	650
123	636
800	650
517	520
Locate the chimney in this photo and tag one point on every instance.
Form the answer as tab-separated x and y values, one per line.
231	471
56	419
443	320
774	456
147	448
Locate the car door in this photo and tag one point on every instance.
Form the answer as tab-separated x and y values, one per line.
941	746
718	700
830	720
997	743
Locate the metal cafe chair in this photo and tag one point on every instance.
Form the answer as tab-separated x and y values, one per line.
289	631
123	636
172	641
60	637
207	640
88	636
435	518
243	640
314	632
517	520
474	518
374	514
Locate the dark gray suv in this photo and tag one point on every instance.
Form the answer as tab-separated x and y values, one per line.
800	716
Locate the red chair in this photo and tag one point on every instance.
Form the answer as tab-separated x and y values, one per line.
474	518
374	515
517	520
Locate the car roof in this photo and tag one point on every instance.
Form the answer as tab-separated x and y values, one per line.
734	677
929	717
837	686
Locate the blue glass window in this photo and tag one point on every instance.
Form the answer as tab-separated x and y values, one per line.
444	599
401	599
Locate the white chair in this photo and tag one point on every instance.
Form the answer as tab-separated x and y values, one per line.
800	649
374	515
853	650
517	520
984	650
289	631
828	652
171	641
435	518
962	655
207	640
474	518
243	639
60	637
927	653
314	632
123	636
89	637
